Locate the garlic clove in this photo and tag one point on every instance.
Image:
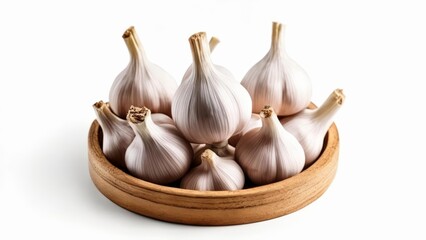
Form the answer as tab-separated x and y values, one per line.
158	153
255	122
311	125
141	83
214	174
269	154
278	80
117	134
210	106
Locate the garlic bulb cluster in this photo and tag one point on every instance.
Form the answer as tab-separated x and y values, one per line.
214	173
277	80
117	134
209	106
212	132
311	125
158	153
269	153
141	83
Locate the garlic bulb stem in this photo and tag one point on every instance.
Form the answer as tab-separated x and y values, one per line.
201	59
269	122
222	150
137	116
212	45
207	157
109	120
131	30
323	116
330	107
133	44
276	37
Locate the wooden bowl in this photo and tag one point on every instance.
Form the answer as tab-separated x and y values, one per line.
213	207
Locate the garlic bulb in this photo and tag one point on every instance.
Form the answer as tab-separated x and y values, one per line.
214	174
270	153
278	81
255	122
141	83
311	125
117	134
224	150
209	106
158	154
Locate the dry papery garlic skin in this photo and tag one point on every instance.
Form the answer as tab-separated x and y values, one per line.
141	83
278	80
311	125
158	153
214	174
209	106
117	134
269	154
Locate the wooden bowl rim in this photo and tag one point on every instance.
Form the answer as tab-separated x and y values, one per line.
330	145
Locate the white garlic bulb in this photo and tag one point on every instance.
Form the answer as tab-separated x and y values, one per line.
255	122
210	106
158	153
141	83
270	153
277	80
311	125
117	134
214	174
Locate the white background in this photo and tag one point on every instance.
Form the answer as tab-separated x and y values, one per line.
57	58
